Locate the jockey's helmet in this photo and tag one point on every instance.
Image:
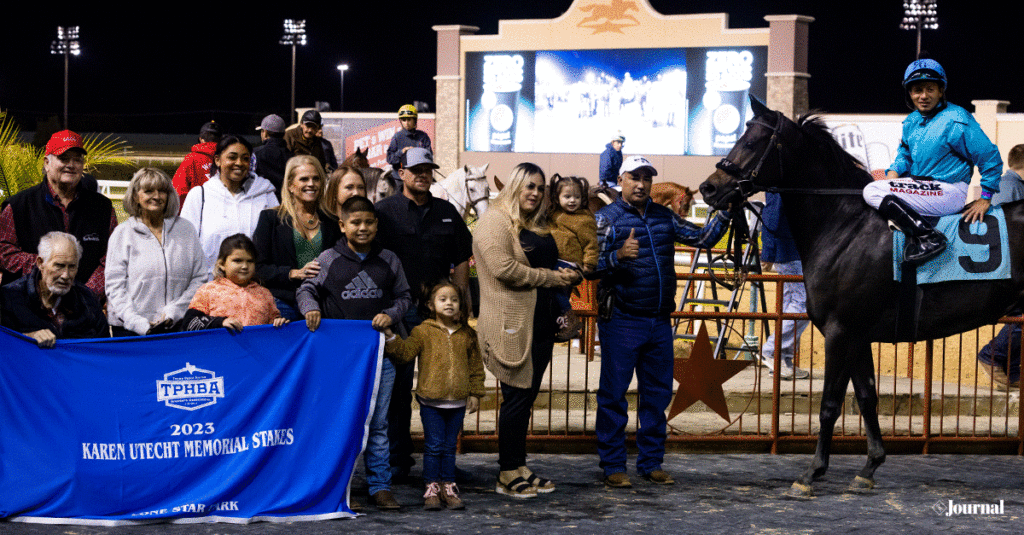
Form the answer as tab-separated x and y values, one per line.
407	111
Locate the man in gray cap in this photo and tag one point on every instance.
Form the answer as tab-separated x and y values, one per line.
304	140
270	158
429	236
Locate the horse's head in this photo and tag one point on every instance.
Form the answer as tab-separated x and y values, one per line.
753	163
358	159
478	191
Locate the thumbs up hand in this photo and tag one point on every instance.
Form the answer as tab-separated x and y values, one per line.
630	248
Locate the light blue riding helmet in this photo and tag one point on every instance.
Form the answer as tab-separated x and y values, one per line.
923	70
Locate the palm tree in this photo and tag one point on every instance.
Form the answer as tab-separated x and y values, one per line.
21	163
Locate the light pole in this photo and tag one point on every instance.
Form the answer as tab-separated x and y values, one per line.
294	35
66	44
920	15
341	100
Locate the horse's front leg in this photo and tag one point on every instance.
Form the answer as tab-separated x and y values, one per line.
867	399
837	378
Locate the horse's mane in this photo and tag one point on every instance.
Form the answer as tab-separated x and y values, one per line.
846	169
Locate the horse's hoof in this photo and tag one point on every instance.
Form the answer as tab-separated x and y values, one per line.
799	491
861	485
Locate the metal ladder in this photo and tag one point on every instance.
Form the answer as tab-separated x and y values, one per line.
703	262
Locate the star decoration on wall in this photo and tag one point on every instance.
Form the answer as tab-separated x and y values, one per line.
701	378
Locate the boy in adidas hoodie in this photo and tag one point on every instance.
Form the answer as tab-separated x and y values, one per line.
359	280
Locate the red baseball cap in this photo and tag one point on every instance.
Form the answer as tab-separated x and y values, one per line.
62	141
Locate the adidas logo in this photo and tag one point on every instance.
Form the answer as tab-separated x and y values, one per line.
362	287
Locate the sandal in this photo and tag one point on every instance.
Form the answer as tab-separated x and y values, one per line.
542	485
518	488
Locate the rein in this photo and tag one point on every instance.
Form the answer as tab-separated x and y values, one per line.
745	178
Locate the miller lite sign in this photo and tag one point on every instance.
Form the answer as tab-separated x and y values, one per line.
190	388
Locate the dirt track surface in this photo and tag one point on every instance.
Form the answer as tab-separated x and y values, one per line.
733	493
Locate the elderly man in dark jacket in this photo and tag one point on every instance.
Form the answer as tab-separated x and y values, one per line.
637	240
49	303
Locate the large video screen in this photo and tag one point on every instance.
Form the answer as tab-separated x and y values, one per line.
664	101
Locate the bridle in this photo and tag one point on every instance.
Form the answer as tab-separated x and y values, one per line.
745	185
470	201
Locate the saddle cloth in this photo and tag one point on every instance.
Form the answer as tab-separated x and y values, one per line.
978	251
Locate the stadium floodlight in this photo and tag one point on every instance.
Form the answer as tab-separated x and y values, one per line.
341	100
66	44
294	35
920	15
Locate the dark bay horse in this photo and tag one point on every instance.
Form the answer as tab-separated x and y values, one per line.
846	250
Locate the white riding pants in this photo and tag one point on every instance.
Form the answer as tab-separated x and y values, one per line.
926	197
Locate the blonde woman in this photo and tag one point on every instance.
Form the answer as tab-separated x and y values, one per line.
290	237
154	261
516	260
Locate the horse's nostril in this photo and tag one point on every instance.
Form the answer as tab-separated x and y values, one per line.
707	190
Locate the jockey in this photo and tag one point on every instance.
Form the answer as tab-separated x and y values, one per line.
941	144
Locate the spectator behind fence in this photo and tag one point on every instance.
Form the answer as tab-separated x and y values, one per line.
48	303
1000	358
196	167
360	280
289	238
231	201
61	201
154	261
516	259
780	253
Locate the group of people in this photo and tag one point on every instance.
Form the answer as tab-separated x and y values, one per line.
246	250
237	256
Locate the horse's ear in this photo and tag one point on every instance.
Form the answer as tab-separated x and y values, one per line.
759	107
484	168
498	184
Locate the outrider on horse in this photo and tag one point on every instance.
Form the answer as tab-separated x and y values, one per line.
847	252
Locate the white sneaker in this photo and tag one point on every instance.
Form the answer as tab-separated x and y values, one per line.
788	370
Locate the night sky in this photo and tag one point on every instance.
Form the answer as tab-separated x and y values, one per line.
170	70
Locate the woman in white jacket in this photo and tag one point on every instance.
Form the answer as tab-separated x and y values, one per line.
229	202
154	261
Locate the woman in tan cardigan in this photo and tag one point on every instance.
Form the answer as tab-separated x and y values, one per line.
516	261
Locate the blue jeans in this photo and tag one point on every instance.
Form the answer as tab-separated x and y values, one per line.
287	311
1003	351
794	301
642	344
378	469
440	440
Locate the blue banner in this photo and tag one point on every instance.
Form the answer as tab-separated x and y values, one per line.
208	426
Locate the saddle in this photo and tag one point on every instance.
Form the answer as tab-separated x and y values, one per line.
975	251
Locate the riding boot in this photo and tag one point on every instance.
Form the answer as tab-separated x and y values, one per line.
923	241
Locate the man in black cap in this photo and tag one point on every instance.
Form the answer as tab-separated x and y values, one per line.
272	155
304	140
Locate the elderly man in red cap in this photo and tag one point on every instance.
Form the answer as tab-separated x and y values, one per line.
62	203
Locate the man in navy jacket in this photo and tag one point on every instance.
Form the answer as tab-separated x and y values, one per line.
637	240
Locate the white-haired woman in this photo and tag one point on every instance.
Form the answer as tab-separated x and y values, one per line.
516	259
155	263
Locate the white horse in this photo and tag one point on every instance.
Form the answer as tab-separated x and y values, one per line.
465	188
